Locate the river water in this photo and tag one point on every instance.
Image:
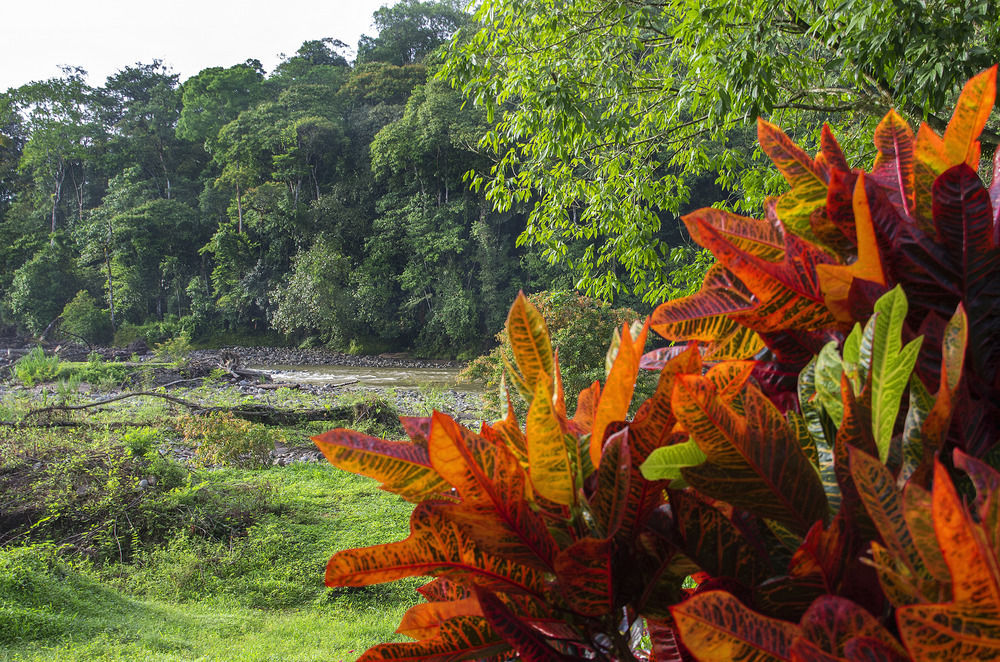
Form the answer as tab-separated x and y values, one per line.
373	377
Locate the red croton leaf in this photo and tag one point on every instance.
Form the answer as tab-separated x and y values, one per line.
834	625
666	646
714	542
584	573
436	546
402	467
529	643
894	164
610	501
462	638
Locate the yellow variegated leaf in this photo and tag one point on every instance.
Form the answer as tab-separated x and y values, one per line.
806	179
529	340
961	137
550	459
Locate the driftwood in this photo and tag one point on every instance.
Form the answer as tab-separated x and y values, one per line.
258	413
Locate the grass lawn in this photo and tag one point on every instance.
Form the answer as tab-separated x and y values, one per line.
209	564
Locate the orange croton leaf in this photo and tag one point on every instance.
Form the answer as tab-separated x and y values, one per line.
706	317
968	627
654	423
788	292
507	432
716	626
754	460
436	546
559	396
835	280
424	620
461	638
586	406
617	394
491	486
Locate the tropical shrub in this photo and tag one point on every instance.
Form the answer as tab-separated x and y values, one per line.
82	318
788	492
223	439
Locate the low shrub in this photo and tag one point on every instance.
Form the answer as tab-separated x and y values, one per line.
35	367
83	319
98	372
152	331
223	439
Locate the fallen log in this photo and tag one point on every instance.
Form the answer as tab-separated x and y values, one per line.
377	410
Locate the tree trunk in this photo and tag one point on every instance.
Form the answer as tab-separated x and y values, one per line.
239	211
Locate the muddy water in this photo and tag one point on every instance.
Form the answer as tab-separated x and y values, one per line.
373	377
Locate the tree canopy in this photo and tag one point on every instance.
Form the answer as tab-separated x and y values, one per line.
606	110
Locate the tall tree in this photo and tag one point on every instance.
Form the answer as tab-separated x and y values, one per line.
60	116
410	30
216	96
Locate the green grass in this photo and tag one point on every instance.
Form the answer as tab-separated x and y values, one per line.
200	593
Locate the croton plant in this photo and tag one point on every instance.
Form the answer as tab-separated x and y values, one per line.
807	482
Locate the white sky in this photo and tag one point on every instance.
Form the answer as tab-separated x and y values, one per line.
103	36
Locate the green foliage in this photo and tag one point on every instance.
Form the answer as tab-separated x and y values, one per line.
245	592
410	30
82	318
152	332
608	112
98	372
174	350
35	367
43	286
